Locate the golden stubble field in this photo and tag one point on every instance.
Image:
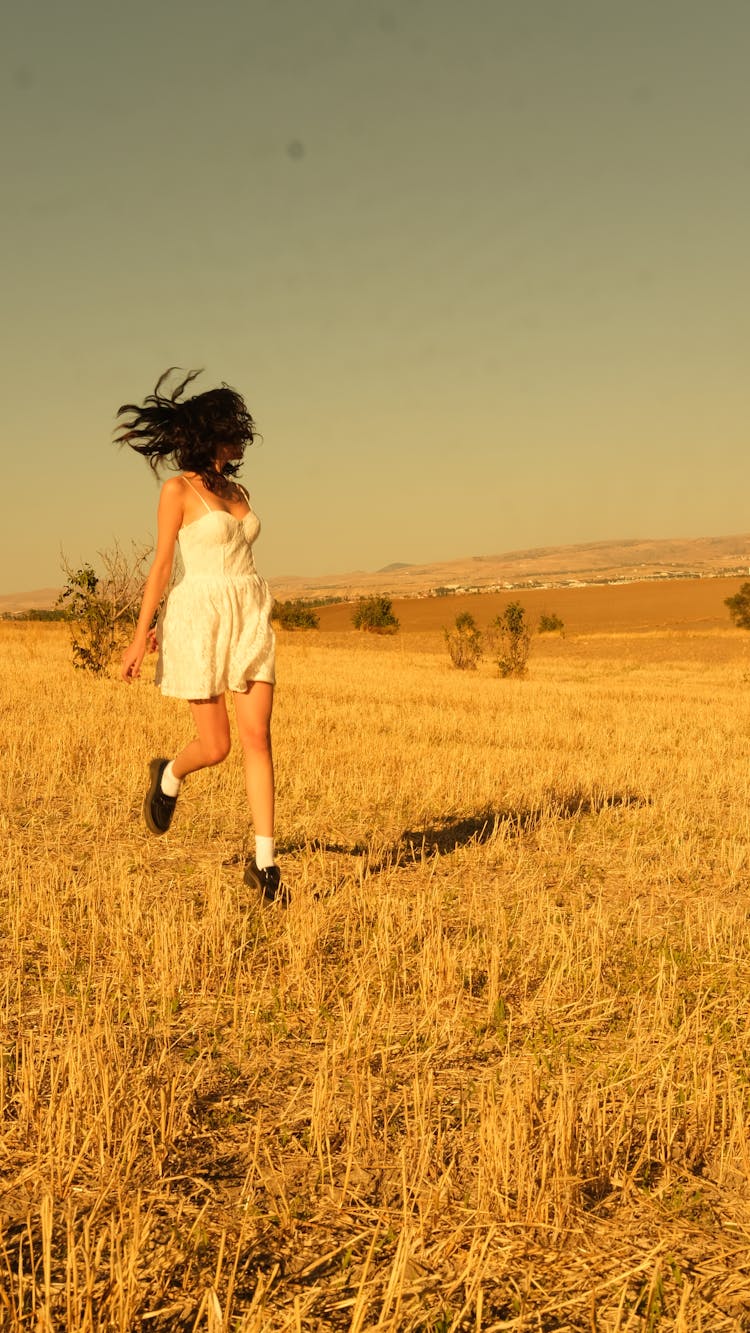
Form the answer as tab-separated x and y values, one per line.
490	1070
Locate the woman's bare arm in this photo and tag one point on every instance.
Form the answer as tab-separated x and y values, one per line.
169	518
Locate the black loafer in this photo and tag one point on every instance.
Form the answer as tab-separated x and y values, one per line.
158	808
266	882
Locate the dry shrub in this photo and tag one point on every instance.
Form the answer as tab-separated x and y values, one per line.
510	638
101	608
464	642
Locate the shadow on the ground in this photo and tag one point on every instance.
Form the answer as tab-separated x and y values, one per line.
444	836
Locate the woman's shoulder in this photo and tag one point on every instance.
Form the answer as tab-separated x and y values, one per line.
172	495
174	486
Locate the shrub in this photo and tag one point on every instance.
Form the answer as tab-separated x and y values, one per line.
549	623
101	612
294	615
464	642
375	614
739	607
92	627
512	640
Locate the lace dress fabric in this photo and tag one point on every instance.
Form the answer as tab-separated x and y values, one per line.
215	631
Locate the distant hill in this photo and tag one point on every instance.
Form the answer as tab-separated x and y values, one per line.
631	559
41	599
545	566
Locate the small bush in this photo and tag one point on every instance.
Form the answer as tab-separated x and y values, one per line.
549	623
294	615
464	642
739	607
512	640
375	614
92	624
102	611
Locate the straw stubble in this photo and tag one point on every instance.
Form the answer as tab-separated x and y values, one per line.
489	1070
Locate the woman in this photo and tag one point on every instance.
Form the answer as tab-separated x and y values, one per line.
214	634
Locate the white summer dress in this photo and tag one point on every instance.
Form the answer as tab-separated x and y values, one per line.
215	632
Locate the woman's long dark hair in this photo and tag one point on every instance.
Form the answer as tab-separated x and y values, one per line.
186	433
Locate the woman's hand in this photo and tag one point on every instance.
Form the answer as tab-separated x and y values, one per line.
131	660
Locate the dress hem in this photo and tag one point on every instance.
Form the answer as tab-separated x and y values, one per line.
214	694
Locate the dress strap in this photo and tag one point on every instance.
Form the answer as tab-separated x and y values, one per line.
197	492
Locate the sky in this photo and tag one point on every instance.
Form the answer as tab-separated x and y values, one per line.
480	270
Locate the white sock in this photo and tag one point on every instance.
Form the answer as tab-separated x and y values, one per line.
264	850
170	785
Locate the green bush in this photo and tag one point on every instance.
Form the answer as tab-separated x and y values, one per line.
375	614
464	642
512	640
739	607
549	623
294	615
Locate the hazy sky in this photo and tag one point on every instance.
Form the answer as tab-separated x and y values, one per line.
479	268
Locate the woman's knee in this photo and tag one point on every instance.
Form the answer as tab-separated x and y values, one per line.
216	749
256	739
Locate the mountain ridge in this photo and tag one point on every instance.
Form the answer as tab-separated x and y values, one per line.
623	559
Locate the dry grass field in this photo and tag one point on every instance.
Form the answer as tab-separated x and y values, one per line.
489	1071
661	604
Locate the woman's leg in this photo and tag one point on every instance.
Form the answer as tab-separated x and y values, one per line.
253	709
213	741
212	745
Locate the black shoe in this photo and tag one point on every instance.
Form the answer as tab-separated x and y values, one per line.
158	808
266	882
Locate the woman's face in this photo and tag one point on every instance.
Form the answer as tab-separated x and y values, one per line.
229	453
